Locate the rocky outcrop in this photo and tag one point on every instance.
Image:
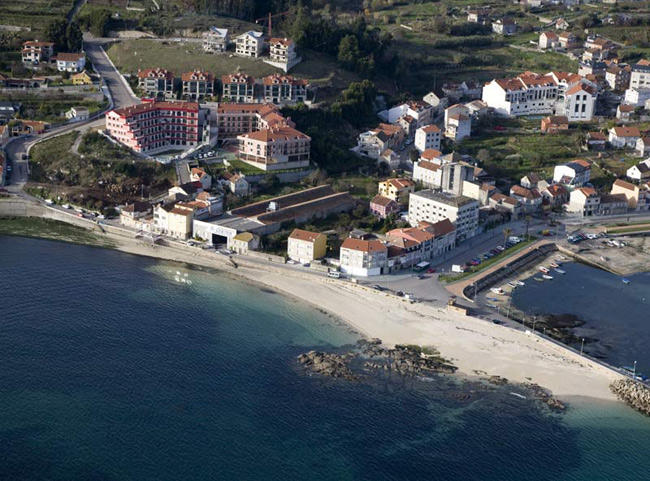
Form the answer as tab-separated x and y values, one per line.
632	393
545	397
328	364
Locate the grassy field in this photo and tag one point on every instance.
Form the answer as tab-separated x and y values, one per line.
33	13
51	108
51	230
131	55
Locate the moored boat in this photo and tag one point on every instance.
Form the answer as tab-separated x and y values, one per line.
520	283
554	265
625	280
497	290
559	271
512	284
603	258
538	279
543	269
547	277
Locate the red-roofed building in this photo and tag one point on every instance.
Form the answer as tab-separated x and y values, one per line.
277	147
35	52
530	199
284	89
548	40
70	62
428	173
382	206
428	137
238	88
556	195
624	137
584	201
305	246
363	257
554	124
157	83
638	197
197	85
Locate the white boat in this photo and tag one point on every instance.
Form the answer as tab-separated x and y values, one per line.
520	283
554	265
547	277
497	290
518	395
559	271
603	258
512	284
544	269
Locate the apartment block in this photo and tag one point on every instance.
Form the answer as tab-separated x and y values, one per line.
157	83
216	40
284	89
432	207
249	44
238	88
197	85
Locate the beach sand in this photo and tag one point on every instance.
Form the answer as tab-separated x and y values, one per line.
470	343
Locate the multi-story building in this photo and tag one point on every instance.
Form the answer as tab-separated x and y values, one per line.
428	137
584	201
174	220
383	207
284	89
373	142
640	75
579	103
624	137
618	77
238	88
548	40
305	246
197	85
554	124
567	40
397	189
249	44
157	83
430	206
156	126
458	123
527	94
277	147
556	195
70	62
638	197
530	199
427	173
363	257
234	119
35	52
574	173
283	51
216	40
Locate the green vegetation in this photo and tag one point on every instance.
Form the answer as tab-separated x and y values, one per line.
52	106
35	14
470	271
67	37
51	230
244	168
103	176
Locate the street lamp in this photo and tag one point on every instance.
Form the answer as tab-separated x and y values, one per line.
534	321
508	313
582	347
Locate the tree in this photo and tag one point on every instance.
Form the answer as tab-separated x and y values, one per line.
506	233
349	52
56	32
74	37
528	219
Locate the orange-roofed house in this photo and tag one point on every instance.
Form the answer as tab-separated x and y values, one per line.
556	195
624	137
397	189
637	196
548	40
584	201
70	62
579	102
428	137
35	52
382	206
278	147
197	85
554	124
238	87
157	83
575	173
284	89
305	246
200	175
428	173
363	258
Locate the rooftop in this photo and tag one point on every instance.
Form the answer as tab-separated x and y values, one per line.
305	235
445	198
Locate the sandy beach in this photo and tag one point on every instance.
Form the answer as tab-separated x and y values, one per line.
473	345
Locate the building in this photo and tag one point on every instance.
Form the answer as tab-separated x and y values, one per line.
579	102
243	243
504	26
530	180
383	207
157	83
77	114
618	77
234	119
373	142
613	204
216	40
640	75
624	137
554	124
427	173
639	172
438	104
186	192
197	85
235	183
397	189
548	40
305	246
480	16
530	199
596	141
584	201
637	97
638	197
420	112
284	89
138	215
391	159
156	126
458	123
555	195
643	147
427	137
469	89
277	147
624	112
35	52
575	173
70	62
81	78
363	258
200	175
282	51
527	94
561	24
173	220
249	44
238	88
432	207
506	204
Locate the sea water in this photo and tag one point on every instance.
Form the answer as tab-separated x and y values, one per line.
112	369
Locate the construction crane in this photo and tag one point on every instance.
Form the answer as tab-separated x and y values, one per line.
270	19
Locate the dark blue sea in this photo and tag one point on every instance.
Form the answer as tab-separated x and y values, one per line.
111	369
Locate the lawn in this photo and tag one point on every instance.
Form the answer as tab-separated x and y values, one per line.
33	13
48	229
245	168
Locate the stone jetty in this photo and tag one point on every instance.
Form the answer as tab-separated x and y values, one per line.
632	393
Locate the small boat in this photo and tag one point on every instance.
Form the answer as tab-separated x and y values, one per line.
520	283
491	299
554	265
512	284
559	271
547	277
491	305
561	258
603	258
518	395
544	269
538	279
625	280
497	290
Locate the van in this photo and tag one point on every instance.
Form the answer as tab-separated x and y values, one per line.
334	274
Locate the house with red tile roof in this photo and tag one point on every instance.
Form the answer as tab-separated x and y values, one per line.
157	83
306	246
382	206
363	258
197	85
397	189
624	137
638	197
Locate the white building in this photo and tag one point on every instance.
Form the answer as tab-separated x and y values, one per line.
637	97
428	174
579	103
363	257
458	122
639	172
436	102
70	62
430	206
575	173
77	114
249	44
527	94
427	137
548	40
639	91
216	40
624	137
584	201
421	112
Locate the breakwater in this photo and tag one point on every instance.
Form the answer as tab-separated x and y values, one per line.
633	393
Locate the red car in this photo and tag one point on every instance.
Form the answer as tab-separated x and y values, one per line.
431	270
499	127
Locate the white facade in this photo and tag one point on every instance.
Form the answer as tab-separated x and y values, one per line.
70	62
363	258
624	137
640	171
430	206
215	40
640	76
583	201
427	138
580	103
572	173
524	95
637	97
428	174
250	44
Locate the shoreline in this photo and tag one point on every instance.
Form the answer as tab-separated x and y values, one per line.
471	344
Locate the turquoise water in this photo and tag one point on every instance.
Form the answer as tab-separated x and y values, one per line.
112	370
